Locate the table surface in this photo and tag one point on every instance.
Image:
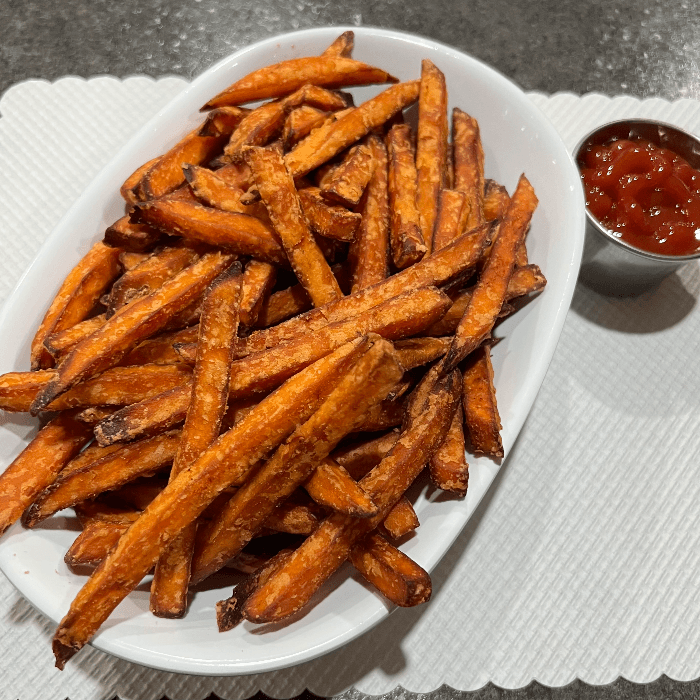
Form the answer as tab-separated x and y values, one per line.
612	47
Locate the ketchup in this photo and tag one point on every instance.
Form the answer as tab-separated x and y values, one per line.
644	194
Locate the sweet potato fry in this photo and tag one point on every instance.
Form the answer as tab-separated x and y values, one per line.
93	544
239	233
279	194
328	220
148	276
400	317
322	144
128	189
218	328
121	333
258	279
132	237
407	244
292	518
223	121
524	280
165	175
468	164
401	519
159	349
370	378
300	122
115	387
449	469
111	471
348	181
94	414
76	298
129	260
58	343
330	485
215	191
149	416
287	76
342	46
490	292
369	253
479	400
450	219
496	200
431	146
38	465
382	416
265	122
182	501
291	587
437	269
358	458
393	573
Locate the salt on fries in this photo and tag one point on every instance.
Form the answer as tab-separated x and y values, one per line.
293	318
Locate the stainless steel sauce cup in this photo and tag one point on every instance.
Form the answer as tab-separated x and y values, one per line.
609	264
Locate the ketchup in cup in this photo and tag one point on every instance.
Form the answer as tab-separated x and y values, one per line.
644	194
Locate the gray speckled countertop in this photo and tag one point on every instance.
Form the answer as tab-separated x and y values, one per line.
644	49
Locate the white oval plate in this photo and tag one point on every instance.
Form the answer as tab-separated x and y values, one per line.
517	138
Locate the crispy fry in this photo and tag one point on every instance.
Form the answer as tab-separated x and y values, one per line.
449	470
524	280
165	175
239	233
496	200
414	352
490	292
265	123
401	519
348	181
369	254
258	279
111	471
120	334
292	518
331	221
342	46
181	502
300	122
129	260
480	409
381	417
159	349
283	305
133	237
393	573
287	76
400	317
94	414
128	189
215	191
59	343
450	217
468	164
115	387
359	457
149	416
148	276
407	244
92	545
291	587
367	382
437	269
279	194
223	121
330	485
431	146
322	144
218	328
76	298
39	463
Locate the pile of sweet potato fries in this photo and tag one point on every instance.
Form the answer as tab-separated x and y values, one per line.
292	320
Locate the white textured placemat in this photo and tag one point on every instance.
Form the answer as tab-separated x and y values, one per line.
583	559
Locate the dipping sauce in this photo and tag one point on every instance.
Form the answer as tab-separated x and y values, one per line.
644	194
